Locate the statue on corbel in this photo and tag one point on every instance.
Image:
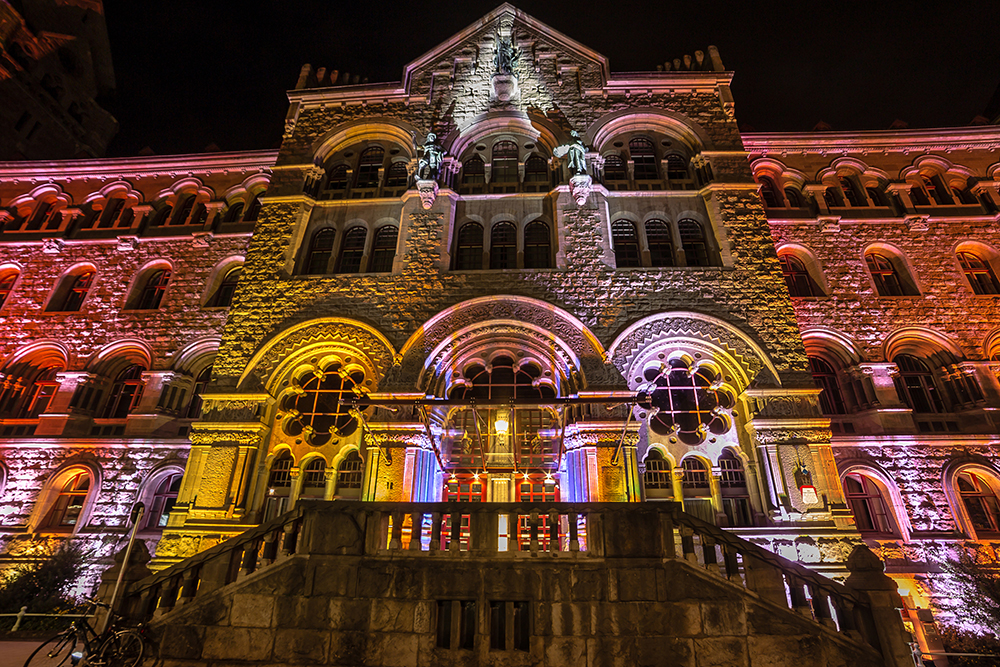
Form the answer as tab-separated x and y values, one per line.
575	155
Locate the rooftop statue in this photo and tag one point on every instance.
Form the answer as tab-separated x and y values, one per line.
506	56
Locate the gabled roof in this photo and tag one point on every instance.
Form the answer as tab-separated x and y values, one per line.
506	9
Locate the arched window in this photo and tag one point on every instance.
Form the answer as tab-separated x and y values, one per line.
153	290
337	179
735	495
69	503
686	401
383	249
876	196
643	158
832	198
368	167
503	246
183	211
769	192
352	250
677	167
223	296
200	385
693	242
319	404
163	500
76	291
537	246
504	162
658	478
161	217
320	251
937	191
112	210
871	513
235	212
350	473
884	275
797	277
831	400
614	169
474	171
536	170
915	385
125	394
314	479
979	273
27	391
396	177
469	252
625	243
254	211
851	191
696	489
980	503
660	243
794	198
279	486
7	280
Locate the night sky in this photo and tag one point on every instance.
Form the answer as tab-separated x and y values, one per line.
195	72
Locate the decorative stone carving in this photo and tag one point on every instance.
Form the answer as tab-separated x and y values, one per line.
128	243
580	187
53	246
228	410
201	239
917	223
428	191
771	407
506	55
829	225
504	88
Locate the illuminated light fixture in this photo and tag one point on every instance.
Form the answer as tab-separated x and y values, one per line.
270	491
476	475
526	474
548	478
803	478
452	478
502	423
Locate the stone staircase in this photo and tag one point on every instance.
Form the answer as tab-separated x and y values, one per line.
553	584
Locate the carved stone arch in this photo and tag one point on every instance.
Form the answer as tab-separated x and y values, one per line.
189	185
488	125
649	119
368	129
245	191
991	345
321	337
114	356
742	358
47	192
47	352
192	357
887	485
422	354
118	189
832	346
924	343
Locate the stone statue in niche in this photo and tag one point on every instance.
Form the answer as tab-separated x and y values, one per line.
506	56
429	165
575	153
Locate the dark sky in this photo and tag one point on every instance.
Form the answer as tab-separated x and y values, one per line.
195	72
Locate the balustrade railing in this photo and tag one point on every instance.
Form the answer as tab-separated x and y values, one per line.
508	530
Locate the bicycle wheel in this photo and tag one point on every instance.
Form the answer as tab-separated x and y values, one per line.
122	649
56	652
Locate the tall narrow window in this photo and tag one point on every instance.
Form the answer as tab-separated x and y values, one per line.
474	171
350	472
884	275
69	504
125	394
112	209
396	177
320	252
625	243
980	503
383	249
693	242
368	167
183	211
658	478
159	218
503	246
614	169
352	251
254	211
79	286
43	390
794	198
224	295
661	246
643	158
279	486
536	170
235	212
769	192
696	489
469	251
936	191
163	500
677	167
504	162
735	494
915	385
153	290
851	192
314	479
200	385
868	505
337	180
876	196
979	273
537	246
797	277
831	400
7	280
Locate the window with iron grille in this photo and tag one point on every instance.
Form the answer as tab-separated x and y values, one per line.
350	472
695	474
686	401
318	404
658	473
281	472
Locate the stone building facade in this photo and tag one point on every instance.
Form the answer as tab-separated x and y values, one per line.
513	277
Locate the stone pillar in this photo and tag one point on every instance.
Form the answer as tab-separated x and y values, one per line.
869	580
69	411
158	407
214	208
902	191
989	189
140	211
818	192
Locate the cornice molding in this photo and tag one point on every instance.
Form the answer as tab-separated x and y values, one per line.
131	167
897	141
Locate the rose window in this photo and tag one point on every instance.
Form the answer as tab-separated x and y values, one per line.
318	404
686	400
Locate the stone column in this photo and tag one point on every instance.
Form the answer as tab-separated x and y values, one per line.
990	189
902	190
214	208
140	212
818	192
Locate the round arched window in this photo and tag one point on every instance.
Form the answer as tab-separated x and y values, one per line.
685	400
318	405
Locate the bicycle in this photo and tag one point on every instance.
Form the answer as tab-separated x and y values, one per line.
75	646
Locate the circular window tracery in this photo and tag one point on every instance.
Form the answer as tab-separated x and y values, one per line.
685	399
318	404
